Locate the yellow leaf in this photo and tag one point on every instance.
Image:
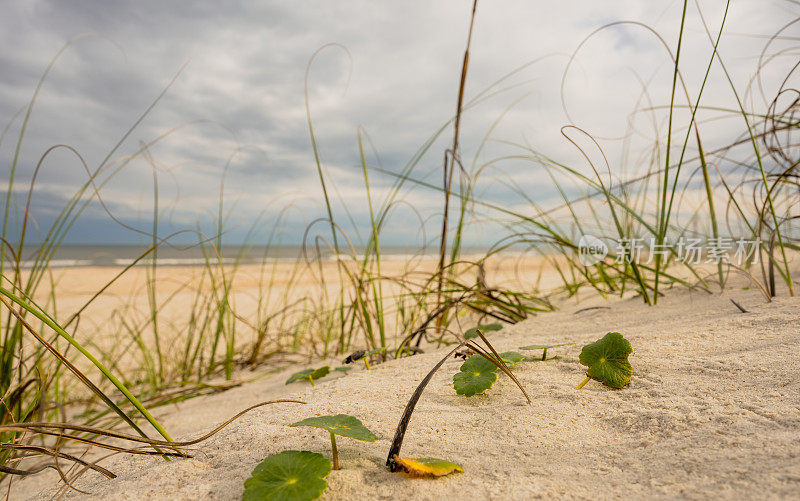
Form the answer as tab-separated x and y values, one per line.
426	467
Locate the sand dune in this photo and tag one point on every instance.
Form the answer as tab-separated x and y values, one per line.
712	411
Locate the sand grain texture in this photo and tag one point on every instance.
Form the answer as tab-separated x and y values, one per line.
712	411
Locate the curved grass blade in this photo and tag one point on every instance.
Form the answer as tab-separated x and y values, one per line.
85	380
37	427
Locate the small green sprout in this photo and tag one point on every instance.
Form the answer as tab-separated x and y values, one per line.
290	475
544	348
340	424
473	333
370	353
607	360
343	368
356	355
309	375
363	355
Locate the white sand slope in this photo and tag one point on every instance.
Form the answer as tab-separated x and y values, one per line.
712	411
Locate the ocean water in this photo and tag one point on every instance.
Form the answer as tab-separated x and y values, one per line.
70	256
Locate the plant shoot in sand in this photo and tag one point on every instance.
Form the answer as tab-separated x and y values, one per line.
544	348
363	355
290	475
417	467
607	360
309	375
340	424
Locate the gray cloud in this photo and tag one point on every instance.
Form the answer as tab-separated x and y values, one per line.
246	65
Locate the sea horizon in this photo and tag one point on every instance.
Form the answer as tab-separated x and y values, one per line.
121	255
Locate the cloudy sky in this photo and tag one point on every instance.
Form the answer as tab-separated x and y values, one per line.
237	100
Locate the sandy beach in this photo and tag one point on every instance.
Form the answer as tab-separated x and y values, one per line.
209	211
282	290
712	411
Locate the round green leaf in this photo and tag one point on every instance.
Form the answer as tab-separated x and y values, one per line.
320	373
340	424
473	333
290	475
607	360
475	377
511	357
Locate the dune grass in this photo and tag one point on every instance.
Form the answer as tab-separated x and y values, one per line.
169	353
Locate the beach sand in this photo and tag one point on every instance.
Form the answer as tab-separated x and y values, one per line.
712	411
283	290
